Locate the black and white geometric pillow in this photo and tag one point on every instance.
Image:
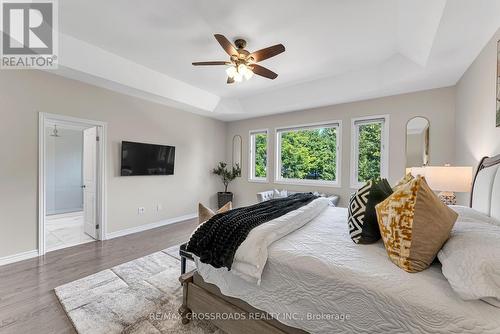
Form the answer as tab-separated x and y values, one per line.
363	224
357	209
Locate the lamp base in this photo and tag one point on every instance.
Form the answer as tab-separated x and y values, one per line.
448	197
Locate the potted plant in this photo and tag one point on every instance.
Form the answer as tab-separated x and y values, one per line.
226	175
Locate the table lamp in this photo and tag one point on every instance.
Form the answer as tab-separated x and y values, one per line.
446	179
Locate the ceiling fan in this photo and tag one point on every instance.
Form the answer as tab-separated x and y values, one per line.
242	64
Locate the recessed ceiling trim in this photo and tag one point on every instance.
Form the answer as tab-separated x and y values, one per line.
83	61
417	26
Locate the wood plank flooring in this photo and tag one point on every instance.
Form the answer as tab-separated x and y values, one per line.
27	300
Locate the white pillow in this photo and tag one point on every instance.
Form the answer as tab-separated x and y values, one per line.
280	194
466	214
471	260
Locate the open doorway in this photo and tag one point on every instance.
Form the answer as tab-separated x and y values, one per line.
71	181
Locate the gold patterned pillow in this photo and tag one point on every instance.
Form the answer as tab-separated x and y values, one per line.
407	178
414	225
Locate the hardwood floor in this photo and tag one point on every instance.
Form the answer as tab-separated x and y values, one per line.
27	300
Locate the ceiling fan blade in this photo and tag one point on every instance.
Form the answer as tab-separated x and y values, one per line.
230	80
267	52
199	63
226	45
264	72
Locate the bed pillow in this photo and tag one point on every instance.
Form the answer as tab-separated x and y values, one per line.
414	225
407	178
205	213
363	226
466	214
280	194
471	261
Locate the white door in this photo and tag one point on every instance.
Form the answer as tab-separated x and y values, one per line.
90	181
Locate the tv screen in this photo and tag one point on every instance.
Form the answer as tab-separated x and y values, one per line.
147	159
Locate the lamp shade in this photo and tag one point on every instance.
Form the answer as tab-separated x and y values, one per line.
446	178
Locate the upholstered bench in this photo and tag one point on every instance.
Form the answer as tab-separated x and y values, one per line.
267	195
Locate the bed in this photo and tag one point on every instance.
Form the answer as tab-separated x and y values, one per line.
317	280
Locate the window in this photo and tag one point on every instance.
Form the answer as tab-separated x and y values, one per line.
309	154
258	156
369	160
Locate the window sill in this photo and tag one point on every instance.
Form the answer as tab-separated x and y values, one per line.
314	183
258	180
357	186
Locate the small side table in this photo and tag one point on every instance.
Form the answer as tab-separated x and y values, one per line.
185	255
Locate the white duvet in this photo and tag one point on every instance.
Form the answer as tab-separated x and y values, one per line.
251	256
317	279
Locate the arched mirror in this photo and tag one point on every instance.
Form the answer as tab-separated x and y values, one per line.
237	148
417	142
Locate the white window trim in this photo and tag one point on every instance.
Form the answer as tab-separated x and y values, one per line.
319	183
251	157
384	160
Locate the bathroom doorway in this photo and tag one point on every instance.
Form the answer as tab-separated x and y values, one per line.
71	188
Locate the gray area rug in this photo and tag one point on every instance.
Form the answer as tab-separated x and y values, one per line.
140	296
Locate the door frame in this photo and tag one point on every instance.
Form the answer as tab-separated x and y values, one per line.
101	191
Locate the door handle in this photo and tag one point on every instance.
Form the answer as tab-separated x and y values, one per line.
82	186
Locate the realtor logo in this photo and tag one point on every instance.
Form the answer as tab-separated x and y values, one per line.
29	38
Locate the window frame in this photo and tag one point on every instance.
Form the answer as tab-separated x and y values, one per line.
251	156
384	160
320	183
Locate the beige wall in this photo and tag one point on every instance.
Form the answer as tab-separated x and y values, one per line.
476	132
437	105
462	119
23	94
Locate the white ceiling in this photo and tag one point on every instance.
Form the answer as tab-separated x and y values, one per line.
336	50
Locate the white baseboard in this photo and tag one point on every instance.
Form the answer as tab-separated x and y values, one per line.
18	257
71	214
146	227
34	253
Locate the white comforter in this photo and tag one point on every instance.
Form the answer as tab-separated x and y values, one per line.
251	256
318	280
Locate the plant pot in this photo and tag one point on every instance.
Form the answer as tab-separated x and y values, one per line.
223	198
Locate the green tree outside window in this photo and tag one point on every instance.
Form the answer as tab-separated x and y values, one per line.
260	154
309	154
369	151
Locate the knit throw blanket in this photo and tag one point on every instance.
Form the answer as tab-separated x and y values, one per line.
215	242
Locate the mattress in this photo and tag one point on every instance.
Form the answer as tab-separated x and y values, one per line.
318	280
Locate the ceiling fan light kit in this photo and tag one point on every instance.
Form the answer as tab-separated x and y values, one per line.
242	64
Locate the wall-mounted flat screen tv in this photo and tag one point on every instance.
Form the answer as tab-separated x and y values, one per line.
147	159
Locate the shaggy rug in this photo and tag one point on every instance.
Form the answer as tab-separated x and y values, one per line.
140	296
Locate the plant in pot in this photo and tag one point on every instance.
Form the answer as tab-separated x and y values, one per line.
226	175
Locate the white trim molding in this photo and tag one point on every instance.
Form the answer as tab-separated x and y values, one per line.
47	118
150	226
321	183
251	156
384	159
18	257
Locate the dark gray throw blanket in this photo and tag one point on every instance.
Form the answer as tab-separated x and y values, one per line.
215	242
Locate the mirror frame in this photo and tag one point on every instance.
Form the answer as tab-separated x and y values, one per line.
426	142
235	137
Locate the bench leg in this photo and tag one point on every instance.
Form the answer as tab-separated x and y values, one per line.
184	311
183	265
